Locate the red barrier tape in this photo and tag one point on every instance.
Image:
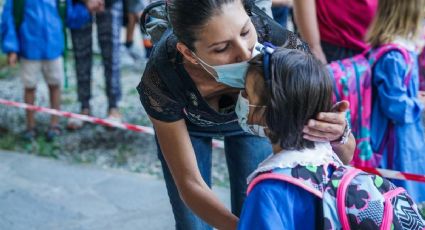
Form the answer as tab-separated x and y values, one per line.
216	143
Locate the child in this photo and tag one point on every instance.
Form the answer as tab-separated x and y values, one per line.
38	42
303	184
397	105
300	89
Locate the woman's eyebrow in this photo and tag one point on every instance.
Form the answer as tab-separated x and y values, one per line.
216	43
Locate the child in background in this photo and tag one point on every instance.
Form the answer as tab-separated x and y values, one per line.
38	43
397	105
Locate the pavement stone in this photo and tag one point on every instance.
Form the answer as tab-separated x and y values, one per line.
39	193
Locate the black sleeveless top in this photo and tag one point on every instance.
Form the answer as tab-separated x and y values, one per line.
168	93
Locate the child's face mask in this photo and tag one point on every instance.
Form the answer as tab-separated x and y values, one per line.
242	111
230	74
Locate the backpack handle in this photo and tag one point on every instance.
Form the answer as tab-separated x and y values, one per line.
146	13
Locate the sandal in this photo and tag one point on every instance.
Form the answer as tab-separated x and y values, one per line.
53	132
74	123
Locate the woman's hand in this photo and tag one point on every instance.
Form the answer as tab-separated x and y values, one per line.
327	126
330	127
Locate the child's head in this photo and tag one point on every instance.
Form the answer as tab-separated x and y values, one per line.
396	18
299	89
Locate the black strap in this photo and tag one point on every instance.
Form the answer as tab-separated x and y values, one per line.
145	14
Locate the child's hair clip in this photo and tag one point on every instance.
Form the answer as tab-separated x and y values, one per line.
267	50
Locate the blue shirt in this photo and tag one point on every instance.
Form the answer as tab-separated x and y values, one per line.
40	35
394	101
274	204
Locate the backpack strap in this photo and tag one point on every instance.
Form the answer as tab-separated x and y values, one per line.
285	178
381	51
341	194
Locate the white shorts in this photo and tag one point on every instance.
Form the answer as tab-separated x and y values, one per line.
52	71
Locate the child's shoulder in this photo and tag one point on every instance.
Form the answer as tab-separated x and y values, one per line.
394	59
277	190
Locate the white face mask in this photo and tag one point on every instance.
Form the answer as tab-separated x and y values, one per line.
242	111
230	74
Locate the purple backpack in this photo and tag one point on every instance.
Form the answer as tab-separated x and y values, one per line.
351	198
352	78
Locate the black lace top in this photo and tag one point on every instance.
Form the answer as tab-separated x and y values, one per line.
161	101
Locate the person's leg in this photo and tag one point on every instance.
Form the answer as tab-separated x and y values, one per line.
243	154
184	217
29	74
29	98
53	74
131	25
82	47
109	30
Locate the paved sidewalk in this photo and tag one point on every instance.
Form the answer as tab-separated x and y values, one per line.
39	193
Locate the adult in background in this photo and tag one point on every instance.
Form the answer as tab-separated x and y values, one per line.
334	29
108	18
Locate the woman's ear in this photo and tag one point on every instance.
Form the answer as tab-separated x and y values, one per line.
187	53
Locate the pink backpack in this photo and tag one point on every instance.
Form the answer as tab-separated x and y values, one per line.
351	198
353	82
421	62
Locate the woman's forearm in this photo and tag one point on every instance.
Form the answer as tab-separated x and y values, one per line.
204	203
179	154
306	20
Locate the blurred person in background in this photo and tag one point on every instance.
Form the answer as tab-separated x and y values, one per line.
334	29
281	11
108	18
131	52
32	33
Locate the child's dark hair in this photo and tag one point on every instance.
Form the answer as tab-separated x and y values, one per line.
300	88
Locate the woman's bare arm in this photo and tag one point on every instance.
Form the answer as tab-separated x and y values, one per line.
306	20
181	160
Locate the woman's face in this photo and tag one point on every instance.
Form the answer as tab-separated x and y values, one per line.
228	37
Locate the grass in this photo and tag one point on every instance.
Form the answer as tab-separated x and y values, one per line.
39	146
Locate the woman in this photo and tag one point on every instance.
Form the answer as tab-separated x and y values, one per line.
183	92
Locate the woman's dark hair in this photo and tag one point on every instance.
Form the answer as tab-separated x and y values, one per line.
188	16
300	88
